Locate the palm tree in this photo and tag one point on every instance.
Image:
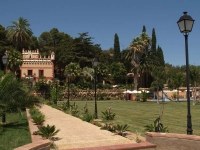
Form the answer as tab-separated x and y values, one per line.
88	73
102	72
139	46
19	33
74	70
14	95
14	60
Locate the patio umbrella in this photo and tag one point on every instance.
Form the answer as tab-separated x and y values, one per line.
145	91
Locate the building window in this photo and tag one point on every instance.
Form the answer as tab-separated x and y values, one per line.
41	73
30	72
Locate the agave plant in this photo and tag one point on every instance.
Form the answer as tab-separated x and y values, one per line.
48	131
108	115
120	129
156	127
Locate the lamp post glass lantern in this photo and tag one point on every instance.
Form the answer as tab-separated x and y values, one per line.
68	75
95	63
185	24
5	61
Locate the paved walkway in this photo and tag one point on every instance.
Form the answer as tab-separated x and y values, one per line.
75	133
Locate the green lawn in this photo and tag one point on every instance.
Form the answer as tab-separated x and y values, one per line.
138	114
15	133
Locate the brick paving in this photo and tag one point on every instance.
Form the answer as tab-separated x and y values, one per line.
75	133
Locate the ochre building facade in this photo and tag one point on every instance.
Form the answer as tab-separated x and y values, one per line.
34	65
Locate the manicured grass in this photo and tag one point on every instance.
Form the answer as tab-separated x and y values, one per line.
139	114
15	133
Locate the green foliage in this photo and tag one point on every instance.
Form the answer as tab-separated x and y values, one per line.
38	119
88	117
74	70
34	111
48	131
117	54
120	129
118	72
74	110
14	95
141	59
85	108
174	95
153	41
160	56
19	33
108	115
14	60
109	127
37	116
64	106
143	29
144	95
157	126
42	87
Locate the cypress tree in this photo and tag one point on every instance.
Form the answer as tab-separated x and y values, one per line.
160	56
117	53
153	42
144	29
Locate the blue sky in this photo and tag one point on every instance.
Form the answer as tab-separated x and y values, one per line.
103	18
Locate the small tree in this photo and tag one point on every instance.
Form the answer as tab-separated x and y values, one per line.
158	74
14	96
118	72
117	53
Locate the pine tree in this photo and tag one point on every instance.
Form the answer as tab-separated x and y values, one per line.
117	53
153	42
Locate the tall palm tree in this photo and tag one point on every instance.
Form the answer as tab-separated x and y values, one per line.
137	49
19	33
14	95
139	46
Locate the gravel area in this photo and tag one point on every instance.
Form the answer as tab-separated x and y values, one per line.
75	133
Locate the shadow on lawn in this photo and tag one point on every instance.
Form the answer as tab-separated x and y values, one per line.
13	125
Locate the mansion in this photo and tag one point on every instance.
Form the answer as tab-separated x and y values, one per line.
34	65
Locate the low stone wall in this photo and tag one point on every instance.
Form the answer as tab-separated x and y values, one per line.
37	142
172	141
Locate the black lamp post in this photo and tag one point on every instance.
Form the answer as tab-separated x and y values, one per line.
95	63
185	24
5	61
68	75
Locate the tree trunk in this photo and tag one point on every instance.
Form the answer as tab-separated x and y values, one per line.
194	101
178	94
157	93
135	78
